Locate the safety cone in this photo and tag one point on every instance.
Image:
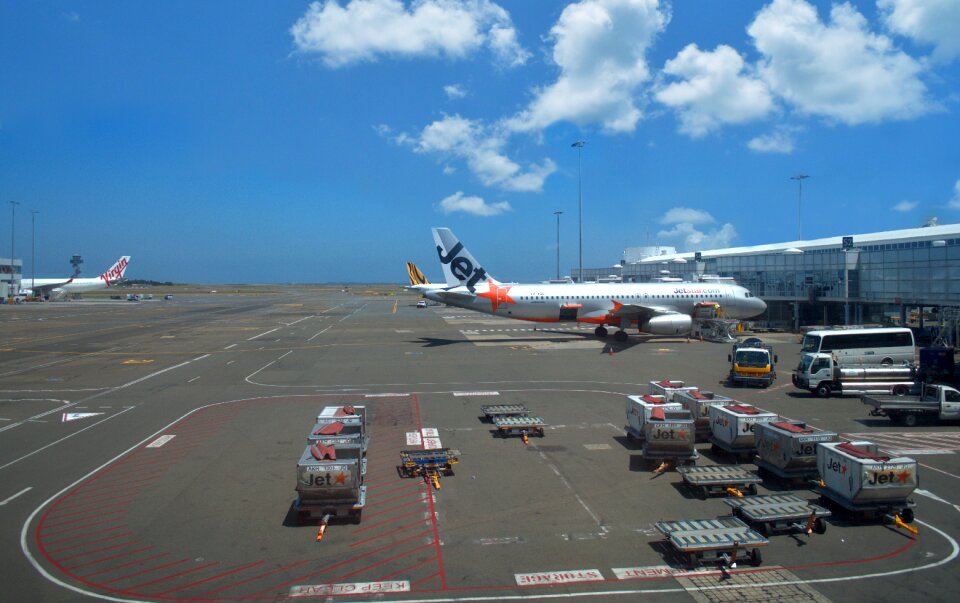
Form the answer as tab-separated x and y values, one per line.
526	440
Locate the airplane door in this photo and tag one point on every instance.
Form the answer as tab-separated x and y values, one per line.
569	313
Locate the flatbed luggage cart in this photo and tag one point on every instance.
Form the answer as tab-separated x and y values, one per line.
721	540
780	513
428	464
720	479
504	410
522	426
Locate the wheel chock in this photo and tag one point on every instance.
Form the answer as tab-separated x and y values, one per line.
897	521
663	467
323	527
734	492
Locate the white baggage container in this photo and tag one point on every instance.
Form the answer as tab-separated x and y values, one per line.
856	474
732	426
639	410
698	402
667	388
669	437
789	448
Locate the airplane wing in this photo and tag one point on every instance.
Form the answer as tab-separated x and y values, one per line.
453	295
47	288
634	311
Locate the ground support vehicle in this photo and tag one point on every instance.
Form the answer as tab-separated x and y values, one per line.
938	365
338	433
698	402
732	428
428	464
504	410
788	449
732	480
640	409
524	426
820	374
940	402
669	437
856	477
667	388
752	363
353	419
718	541
329	486
780	513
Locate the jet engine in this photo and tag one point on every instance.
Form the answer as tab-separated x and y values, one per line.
668	324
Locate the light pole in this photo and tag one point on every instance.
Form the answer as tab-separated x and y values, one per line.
799	178
579	145
13	218
33	250
557	214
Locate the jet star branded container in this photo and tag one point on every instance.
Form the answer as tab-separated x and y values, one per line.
732	426
352	418
789	448
669	434
338	433
855	474
668	388
330	474
698	402
639	410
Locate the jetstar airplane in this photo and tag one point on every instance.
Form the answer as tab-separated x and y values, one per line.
653	308
54	288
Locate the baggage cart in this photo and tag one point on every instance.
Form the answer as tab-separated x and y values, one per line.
330	484
524	426
641	408
788	449
721	541
732	428
504	410
698	402
338	433
856	477
667	388
720	479
352	418
784	513
668	436
428	464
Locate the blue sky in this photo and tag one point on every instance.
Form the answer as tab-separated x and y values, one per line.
318	142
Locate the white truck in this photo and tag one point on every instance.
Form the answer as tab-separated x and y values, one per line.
940	402
820	374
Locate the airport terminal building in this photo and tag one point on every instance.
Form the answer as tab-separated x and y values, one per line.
868	278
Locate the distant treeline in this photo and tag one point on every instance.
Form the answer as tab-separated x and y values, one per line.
133	281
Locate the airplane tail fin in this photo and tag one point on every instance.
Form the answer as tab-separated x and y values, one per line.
115	272
460	268
416	276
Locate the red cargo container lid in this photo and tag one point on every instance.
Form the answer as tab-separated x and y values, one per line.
321	452
695	393
668	383
861	453
791	427
657	415
330	429
345	411
743	409
654	399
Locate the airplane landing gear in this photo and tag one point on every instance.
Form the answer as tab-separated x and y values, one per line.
620	336
600	332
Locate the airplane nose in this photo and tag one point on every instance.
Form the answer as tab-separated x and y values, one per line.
761	306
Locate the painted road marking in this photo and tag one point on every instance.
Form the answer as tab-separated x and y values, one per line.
264	333
562	577
366	588
413	438
160	441
73	416
24	491
137	361
432	444
386	395
232	345
655	571
476	394
597	446
918	451
430	432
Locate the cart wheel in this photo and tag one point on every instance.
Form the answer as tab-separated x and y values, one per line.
692	561
907	515
355	516
819	525
752	489
702	493
764	529
714	448
755	557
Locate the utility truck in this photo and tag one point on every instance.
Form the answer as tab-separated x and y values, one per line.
939	402
820	374
752	363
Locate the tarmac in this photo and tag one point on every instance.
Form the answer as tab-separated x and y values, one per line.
148	453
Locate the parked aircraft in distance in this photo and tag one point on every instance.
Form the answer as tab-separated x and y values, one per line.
653	308
418	282
54	288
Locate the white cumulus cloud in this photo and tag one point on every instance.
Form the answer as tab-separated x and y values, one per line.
600	48
714	89
955	202
458	202
932	22
839	70
780	140
686	235
905	206
363	30
454	91
686	214
482	149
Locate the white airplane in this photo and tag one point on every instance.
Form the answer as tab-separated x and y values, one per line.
54	288
653	308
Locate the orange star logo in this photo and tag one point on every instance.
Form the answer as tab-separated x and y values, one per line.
903	476
682	434
341	478
497	295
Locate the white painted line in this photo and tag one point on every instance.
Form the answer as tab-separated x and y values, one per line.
301	320
285	355
356	588
597	446
476	394
656	571
192	380
386	395
160	441
319	333
413	438
232	345
918	452
24	491
73	416
264	333
562	577
231	362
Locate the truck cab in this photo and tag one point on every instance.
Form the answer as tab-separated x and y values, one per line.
752	363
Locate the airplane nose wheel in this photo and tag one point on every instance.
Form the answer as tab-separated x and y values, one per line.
600	332
620	336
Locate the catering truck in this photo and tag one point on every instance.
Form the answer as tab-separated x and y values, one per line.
752	363
820	374
938	402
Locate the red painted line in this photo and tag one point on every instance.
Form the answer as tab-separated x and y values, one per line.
377	537
406	569
336	565
253	579
401	485
367	516
433	511
419	582
343	577
83	544
99	497
100	550
903	549
391	520
86	534
131	591
54	525
402	496
146	571
74	508
121	480
115	487
76	567
216	577
122	565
